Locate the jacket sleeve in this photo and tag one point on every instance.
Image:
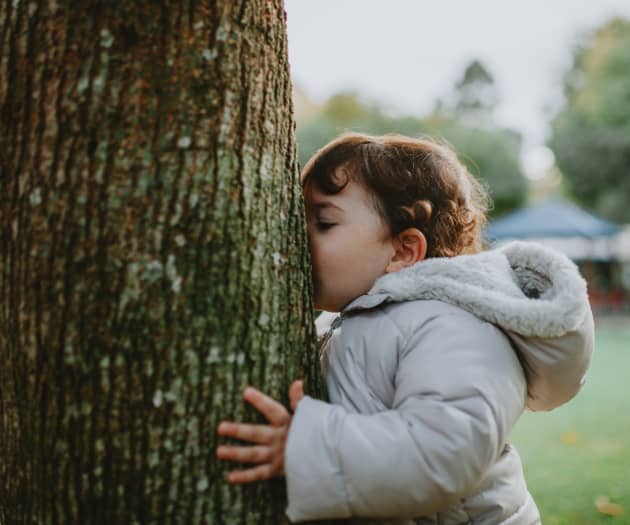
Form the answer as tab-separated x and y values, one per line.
453	409
556	367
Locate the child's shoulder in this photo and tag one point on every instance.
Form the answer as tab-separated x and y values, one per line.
378	316
440	332
428	329
398	322
411	316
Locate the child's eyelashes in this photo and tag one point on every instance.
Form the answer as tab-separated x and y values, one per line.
323	226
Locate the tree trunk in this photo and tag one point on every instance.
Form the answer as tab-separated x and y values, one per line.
153	257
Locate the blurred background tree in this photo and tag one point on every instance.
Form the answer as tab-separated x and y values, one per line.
465	119
591	133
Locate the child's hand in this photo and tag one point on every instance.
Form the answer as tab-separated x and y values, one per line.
270	439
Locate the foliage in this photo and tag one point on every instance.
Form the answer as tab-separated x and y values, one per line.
591	134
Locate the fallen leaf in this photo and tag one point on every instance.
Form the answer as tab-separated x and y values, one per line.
570	438
604	506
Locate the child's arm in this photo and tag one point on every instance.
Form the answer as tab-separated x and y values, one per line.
453	409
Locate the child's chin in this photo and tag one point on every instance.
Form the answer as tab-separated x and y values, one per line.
323	306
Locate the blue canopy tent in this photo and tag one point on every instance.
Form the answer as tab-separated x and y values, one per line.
550	219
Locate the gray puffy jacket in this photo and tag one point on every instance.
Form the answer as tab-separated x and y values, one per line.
427	375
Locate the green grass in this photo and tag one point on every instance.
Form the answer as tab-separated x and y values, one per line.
581	451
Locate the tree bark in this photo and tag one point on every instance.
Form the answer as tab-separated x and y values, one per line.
153	256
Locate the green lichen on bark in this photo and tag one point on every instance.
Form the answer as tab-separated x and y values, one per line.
153	258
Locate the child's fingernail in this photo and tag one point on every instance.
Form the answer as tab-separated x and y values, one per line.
223	427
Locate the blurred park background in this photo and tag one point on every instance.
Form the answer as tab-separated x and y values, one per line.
535	98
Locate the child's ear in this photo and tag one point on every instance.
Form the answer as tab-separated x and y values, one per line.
410	246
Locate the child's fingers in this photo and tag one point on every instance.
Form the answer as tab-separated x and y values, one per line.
256	454
253	474
296	393
275	412
261	434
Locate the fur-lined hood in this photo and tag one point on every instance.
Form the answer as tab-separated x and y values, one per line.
533	293
522	287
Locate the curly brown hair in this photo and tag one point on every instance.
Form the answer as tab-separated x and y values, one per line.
416	183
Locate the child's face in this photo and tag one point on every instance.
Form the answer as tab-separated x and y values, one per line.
350	245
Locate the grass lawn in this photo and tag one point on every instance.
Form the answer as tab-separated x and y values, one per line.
581	451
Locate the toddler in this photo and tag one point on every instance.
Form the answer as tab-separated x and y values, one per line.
437	348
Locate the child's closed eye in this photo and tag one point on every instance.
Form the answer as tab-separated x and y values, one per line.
323	226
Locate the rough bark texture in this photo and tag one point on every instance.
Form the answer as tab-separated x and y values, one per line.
153	258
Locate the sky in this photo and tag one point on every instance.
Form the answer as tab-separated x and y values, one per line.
407	53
